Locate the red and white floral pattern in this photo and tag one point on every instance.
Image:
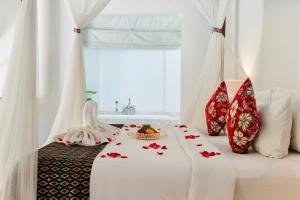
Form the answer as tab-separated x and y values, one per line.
242	119
216	109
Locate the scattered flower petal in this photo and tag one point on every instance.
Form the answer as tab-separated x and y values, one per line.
199	145
124	157
133	126
113	155
207	154
160	153
109	139
102	156
98	142
183	126
119	143
154	146
191	137
164	147
145	147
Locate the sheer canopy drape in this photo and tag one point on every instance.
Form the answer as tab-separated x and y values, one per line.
8	11
214	12
18	130
73	96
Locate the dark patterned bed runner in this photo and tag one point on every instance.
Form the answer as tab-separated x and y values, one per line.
64	171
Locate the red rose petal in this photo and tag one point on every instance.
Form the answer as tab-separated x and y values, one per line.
113	155
160	153
186	131
102	156
69	142
154	146
133	126
212	154
145	147
191	137
164	147
183	126
124	157
199	145
60	139
109	139
207	154
118	143
98	142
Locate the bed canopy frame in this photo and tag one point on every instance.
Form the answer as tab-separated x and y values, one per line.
18	107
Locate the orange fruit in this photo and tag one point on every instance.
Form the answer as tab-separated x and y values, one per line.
150	131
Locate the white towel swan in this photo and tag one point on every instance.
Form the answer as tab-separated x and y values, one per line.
90	118
92	132
85	136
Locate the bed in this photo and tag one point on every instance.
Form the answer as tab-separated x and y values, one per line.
182	172
262	178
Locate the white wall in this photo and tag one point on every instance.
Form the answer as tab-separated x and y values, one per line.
268	41
58	36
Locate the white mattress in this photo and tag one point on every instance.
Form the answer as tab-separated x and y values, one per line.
261	178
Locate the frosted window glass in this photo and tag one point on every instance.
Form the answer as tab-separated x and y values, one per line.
151	78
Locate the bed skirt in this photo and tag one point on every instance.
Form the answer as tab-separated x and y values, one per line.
64	171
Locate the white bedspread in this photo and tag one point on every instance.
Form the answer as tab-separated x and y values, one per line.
181	173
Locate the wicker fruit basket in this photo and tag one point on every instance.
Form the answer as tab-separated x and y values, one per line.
147	133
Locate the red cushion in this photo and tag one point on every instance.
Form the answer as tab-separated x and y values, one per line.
216	110
242	119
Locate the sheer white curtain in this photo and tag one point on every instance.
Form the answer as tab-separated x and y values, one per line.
8	11
215	12
18	130
69	114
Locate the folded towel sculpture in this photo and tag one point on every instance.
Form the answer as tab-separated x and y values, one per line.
92	132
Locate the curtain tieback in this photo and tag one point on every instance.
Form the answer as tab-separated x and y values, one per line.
76	30
217	30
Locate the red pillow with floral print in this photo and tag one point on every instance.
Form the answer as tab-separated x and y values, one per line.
216	110
242	119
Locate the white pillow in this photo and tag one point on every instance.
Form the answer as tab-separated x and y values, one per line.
276	123
263	96
295	101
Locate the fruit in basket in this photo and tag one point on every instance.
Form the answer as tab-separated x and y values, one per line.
147	129
146	132
150	131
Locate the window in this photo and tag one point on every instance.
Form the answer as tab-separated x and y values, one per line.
150	78
135	57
